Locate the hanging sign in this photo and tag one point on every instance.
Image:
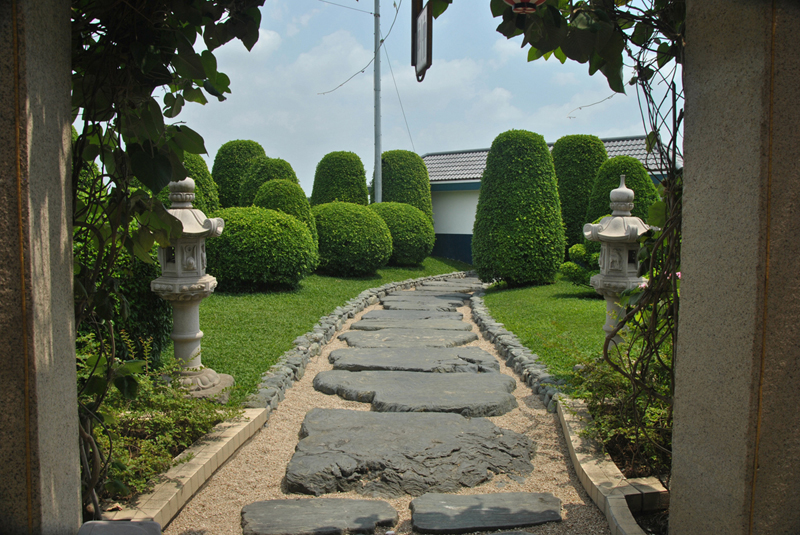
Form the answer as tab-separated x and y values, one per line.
421	38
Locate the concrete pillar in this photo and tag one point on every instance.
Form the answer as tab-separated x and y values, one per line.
736	443
39	464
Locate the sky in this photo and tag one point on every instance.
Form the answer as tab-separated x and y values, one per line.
479	85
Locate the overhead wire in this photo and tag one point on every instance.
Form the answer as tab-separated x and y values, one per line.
347	7
389	61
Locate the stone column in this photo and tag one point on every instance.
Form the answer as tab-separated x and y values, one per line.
736	444
39	464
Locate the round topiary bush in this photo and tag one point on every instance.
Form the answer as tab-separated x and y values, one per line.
260	249
576	160
340	176
287	197
261	170
412	232
405	180
353	240
230	164
518	235
636	178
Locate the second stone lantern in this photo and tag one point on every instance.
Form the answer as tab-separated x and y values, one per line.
184	283
618	235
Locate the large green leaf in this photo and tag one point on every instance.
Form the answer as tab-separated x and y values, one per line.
151	167
127	385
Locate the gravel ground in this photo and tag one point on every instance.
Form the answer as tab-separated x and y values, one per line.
257	470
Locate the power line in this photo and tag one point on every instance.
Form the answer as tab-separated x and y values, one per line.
389	61
347	7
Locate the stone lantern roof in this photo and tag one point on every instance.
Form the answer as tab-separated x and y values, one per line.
195	223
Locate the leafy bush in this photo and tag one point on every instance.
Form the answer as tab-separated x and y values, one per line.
411	230
518	235
405	180
582	266
261	170
287	197
206	195
340	176
229	167
353	240
636	178
576	160
260	248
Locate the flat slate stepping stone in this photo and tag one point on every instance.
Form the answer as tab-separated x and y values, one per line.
436	324
390	455
411	315
427	360
330	516
442	513
468	394
415	305
429	293
425	299
407	338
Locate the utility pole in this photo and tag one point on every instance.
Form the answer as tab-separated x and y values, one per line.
378	175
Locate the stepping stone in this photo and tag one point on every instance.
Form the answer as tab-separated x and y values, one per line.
330	516
412	305
390	455
407	338
435	324
429	293
426	300
441	513
411	315
468	394
428	360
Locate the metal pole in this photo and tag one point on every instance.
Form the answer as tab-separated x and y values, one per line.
377	184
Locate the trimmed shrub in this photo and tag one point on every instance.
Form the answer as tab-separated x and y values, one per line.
287	197
260	249
518	235
412	232
576	160
636	178
340	176
353	240
206	197
261	170
229	167
405	180
582	266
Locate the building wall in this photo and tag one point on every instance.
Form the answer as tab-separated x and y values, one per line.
453	218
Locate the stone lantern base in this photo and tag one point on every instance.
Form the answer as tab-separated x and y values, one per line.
206	383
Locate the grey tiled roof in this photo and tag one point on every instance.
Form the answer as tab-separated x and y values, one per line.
469	164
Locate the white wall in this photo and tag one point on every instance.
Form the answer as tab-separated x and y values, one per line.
454	211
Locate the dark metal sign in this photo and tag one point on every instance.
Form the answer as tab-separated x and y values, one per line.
421	38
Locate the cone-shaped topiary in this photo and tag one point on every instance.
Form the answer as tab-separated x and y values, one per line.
412	232
260	249
340	176
206	196
636	178
518	235
287	197
353	240
229	167
576	160
405	179
261	170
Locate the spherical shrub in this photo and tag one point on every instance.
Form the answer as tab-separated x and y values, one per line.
353	240
412	232
518	235
229	167
261	170
405	179
259	249
636	178
287	197
582	265
340	176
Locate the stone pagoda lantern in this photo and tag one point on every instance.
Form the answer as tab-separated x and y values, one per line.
184	283
618	235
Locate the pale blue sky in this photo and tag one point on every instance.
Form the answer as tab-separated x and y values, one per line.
480	85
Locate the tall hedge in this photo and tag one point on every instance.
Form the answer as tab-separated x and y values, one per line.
340	176
636	178
261	170
287	197
229	167
405	179
411	229
518	235
576	159
206	196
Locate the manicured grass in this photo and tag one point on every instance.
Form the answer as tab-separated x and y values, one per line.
561	322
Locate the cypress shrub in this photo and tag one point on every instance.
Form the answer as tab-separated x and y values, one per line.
353	240
261	170
636	178
260	249
287	197
206	196
518	235
576	160
405	179
229	167
411	230
340	176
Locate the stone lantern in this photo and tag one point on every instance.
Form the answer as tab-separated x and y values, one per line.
618	235
184	283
